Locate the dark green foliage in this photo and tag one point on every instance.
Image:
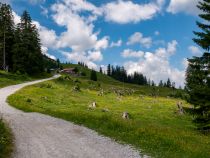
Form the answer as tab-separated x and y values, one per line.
83	73
168	83
161	83
203	38
93	75
6	145
76	70
198	86
20	47
198	71
27	50
101	71
109	70
120	74
6	36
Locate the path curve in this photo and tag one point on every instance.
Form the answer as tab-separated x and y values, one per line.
41	136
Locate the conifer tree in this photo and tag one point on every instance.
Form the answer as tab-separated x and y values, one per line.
93	75
6	36
198	71
27	49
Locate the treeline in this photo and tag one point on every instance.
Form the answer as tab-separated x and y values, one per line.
20	47
119	73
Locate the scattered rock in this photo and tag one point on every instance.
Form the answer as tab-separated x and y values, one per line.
92	106
125	115
105	110
180	108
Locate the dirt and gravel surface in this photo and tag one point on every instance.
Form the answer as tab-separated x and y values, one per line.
40	136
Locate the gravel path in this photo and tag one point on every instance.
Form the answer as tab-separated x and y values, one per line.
41	136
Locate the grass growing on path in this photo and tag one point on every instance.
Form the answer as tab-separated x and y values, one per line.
7	78
154	126
6	144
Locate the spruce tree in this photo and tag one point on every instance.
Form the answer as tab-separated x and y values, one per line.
109	70
93	75
27	49
6	36
101	71
168	83
198	71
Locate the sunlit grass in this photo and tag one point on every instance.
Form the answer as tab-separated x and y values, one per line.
6	144
7	78
154	126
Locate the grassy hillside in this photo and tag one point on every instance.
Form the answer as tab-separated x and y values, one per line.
155	127
5	141
7	78
144	90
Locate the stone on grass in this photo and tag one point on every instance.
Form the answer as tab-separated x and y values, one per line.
125	115
105	110
180	108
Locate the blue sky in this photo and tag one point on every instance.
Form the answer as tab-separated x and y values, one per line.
150	36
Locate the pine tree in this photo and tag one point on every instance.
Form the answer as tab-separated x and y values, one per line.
6	36
198	71
93	75
109	70
101	71
27	49
168	83
161	83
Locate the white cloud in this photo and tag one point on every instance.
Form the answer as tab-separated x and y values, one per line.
102	43
80	35
95	56
45	52
128	53
194	50
187	6
16	18
156	66
83	57
6	1
137	38
185	63
123	12
116	44
44	11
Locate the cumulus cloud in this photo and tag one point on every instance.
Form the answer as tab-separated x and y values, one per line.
128	53
44	11
116	44
137	38
85	57
123	12
156	66
194	50
186	6
45	52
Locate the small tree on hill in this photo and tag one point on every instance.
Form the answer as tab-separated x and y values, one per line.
93	75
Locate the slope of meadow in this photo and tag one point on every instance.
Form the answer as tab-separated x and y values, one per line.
7	78
155	127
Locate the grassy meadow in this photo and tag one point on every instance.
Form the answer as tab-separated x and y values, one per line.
155	127
7	78
6	144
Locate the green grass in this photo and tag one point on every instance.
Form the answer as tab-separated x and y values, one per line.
154	126
6	144
7	78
